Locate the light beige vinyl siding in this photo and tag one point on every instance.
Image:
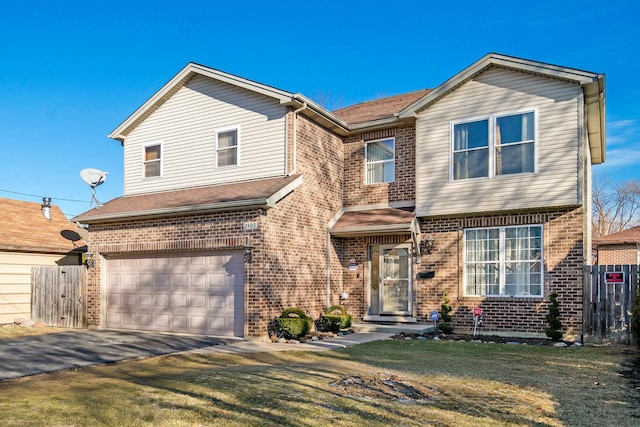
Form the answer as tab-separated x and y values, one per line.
15	281
186	124
501	91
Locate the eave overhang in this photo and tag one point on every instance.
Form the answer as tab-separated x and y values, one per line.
95	216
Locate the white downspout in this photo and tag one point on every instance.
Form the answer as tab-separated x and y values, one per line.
294	163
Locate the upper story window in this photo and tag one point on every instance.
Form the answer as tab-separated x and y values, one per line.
380	160
227	148
152	160
494	145
503	261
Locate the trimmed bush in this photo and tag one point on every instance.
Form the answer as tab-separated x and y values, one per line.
635	318
553	319
336	318
446	326
293	323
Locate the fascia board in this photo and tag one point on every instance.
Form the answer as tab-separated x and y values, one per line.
180	79
493	59
372	230
594	100
328	119
278	195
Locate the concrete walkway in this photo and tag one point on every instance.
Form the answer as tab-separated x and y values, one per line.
20	357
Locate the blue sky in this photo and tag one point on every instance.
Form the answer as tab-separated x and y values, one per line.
72	71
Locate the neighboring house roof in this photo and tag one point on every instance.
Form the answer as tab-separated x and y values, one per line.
23	228
264	193
628	236
383	108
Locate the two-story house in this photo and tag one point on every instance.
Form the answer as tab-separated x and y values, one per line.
241	199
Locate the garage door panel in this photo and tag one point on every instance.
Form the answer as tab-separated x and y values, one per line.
179	280
197	280
197	301
161	301
192	293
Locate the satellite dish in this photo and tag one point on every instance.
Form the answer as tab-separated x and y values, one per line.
93	177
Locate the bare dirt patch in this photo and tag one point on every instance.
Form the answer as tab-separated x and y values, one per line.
383	386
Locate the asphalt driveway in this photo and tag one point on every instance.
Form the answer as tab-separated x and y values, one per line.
25	356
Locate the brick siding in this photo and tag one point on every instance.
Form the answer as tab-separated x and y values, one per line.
563	263
563	266
618	254
402	189
289	246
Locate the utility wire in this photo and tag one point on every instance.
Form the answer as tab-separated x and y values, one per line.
52	198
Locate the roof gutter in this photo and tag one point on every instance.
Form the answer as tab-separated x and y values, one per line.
316	112
177	211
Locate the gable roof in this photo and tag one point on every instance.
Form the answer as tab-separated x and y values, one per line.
591	83
630	235
392	110
24	229
264	193
313	110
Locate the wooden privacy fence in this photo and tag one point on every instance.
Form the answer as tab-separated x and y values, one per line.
609	297
58	296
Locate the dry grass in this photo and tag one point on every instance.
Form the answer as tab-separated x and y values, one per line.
14	331
385	383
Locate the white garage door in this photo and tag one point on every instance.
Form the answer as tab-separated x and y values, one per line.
198	293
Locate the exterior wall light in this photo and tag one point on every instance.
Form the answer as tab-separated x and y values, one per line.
46	208
89	260
426	246
248	254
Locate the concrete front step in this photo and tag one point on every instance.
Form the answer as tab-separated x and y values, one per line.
395	328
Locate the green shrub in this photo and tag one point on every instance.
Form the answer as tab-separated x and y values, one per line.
553	319
293	323
445	327
336	321
635	318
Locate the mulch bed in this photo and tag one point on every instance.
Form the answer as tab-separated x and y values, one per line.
481	338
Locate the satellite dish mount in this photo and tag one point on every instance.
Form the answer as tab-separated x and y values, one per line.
93	177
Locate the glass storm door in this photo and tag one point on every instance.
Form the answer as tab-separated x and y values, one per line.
395	280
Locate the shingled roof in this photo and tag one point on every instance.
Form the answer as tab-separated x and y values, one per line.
378	108
630	235
259	193
24	229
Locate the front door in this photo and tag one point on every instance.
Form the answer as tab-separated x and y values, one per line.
391	289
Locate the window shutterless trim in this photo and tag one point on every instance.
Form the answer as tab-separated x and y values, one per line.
217	132
367	163
502	262
492	124
160	160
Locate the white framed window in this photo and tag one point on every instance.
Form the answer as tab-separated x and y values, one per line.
493	145
380	161
504	261
227	147
152	163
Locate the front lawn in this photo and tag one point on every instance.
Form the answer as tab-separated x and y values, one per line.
393	382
